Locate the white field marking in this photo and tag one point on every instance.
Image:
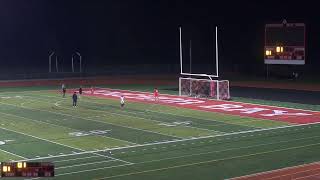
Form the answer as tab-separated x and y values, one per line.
41	138
83	164
273	171
58	103
199	98
238	148
92	119
89	119
203	162
225	123
13	154
173	141
256	119
61	144
222	123
88	170
64	127
210	152
88	157
239	115
137	117
56	124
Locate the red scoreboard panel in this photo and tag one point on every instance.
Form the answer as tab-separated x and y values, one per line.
27	169
285	43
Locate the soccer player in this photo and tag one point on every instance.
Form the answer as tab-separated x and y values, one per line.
156	94
92	90
122	101
64	90
74	99
80	92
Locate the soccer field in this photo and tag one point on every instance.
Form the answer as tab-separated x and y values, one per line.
99	140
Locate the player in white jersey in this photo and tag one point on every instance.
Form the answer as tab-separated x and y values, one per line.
122	101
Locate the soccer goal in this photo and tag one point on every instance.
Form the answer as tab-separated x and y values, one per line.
196	84
204	88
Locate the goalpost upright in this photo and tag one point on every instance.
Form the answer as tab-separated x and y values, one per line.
210	88
210	76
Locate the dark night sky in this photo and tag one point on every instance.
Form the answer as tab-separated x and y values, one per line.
142	31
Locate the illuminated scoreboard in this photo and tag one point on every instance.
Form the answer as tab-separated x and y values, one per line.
27	169
285	43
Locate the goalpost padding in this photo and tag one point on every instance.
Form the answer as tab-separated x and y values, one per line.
217	89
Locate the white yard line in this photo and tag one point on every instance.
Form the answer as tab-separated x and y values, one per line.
88	170
93	120
185	165
126	115
64	127
83	164
239	115
12	154
170	142
62	144
74	159
149	119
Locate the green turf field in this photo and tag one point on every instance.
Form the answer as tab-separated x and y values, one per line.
98	140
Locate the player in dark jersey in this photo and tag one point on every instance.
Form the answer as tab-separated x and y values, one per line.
74	99
64	90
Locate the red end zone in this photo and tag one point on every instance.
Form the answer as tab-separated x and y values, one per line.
227	107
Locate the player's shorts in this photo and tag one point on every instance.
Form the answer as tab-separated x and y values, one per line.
156	94
122	104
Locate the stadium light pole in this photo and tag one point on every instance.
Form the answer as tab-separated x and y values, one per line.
72	66
52	53
57	64
80	60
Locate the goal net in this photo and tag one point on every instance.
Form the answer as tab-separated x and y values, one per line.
216	89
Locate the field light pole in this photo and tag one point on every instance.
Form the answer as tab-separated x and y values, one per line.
80	61
72	63
50	57
57	64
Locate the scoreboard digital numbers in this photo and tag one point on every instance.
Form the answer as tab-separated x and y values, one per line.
27	169
285	43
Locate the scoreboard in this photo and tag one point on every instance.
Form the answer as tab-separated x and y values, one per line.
285	43
27	169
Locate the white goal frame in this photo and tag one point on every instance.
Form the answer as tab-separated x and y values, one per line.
209	81
210	76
